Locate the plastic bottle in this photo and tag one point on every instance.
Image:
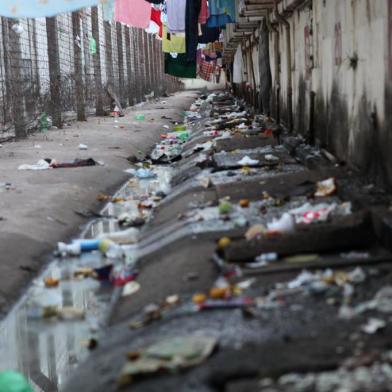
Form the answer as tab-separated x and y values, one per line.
78	246
111	249
129	236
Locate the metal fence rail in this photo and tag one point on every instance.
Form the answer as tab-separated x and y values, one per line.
68	66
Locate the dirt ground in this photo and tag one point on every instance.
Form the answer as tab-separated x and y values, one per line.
42	206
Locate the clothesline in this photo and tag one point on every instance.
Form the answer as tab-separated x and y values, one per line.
184	26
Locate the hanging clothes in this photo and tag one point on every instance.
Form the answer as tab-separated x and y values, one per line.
221	13
191	28
227	7
155	1
179	66
238	66
155	22
217	46
206	69
134	13
176	15
173	42
108	10
37	9
204	13
208	34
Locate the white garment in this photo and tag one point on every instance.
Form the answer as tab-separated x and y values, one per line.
40	165
238	66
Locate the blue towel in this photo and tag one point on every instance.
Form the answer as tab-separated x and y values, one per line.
40	8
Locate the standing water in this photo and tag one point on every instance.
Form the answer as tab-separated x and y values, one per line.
51	329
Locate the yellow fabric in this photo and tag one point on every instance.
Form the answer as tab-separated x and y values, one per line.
176	43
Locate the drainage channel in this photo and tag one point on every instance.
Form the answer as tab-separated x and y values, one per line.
46	348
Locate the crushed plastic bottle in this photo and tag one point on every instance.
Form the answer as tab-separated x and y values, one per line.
129	236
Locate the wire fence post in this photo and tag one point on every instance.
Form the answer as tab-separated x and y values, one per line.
146	63
79	84
54	72
130	69
109	53
97	63
139	60
14	81
150	63
156	67
120	51
151	57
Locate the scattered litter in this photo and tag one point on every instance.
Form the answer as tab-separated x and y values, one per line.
256	231
191	276
376	377
51	282
283	225
326	188
70	313
355	255
90	344
225	207
307	258
224	242
171	355
308	213
373	326
83	147
247	161
145	173
130	288
246	284
42	164
45	164
205	182
238	302
264	259
76	163
271	158
120	275
244	203
128	236
303	278
381	302
6	186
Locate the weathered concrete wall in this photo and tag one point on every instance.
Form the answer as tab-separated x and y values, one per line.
340	50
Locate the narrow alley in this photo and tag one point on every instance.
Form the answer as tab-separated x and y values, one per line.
196	195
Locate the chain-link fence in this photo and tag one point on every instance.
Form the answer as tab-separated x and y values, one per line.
74	65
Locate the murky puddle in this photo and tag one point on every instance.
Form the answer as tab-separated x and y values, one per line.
47	349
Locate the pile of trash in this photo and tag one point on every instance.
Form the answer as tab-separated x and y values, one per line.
354	378
282	236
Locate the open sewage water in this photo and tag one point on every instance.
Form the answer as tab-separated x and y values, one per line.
46	349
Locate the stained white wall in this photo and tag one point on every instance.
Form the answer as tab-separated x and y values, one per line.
350	93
